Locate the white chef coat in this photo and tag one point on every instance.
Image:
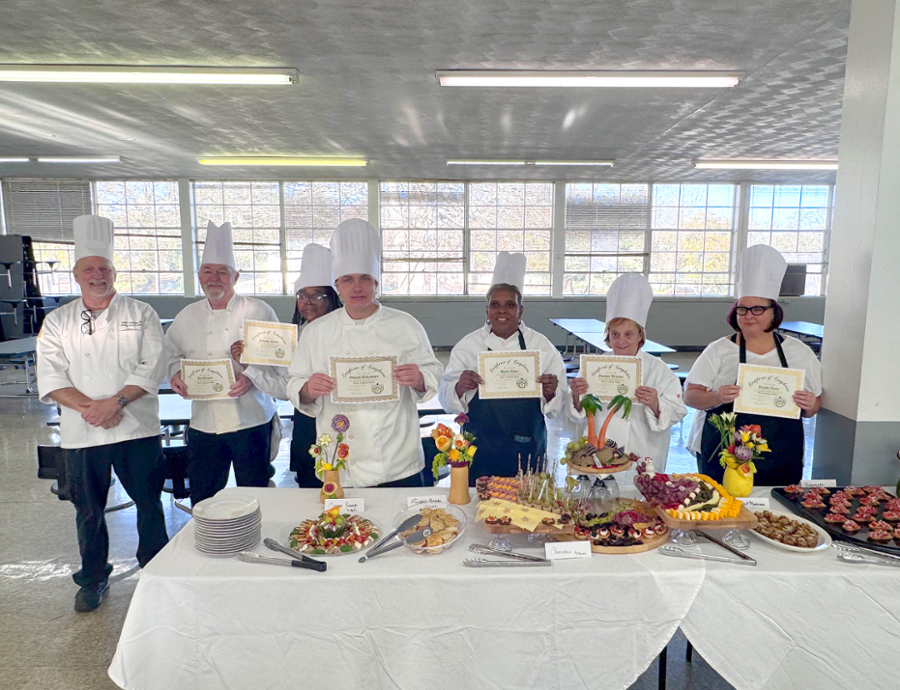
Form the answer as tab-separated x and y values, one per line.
385	444
126	349
464	356
201	332
717	366
643	433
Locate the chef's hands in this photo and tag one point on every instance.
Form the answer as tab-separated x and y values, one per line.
727	394
317	386
807	401
114	422
240	386
100	412
549	384
649	397
468	381
178	384
409	375
579	387
237	349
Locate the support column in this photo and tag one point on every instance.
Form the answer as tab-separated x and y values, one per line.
858	429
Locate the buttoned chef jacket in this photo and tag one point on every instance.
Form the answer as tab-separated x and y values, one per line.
385	444
464	356
643	433
126	349
201	332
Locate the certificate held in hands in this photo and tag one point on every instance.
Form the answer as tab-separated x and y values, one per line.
509	374
269	342
207	379
768	391
609	376
364	379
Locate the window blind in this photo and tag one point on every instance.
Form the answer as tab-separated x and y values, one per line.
44	209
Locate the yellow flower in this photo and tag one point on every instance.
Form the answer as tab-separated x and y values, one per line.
471	450
442	443
763	448
327	466
453	454
745	436
750	445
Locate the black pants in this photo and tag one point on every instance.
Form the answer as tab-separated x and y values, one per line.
302	463
417	479
88	474
211	455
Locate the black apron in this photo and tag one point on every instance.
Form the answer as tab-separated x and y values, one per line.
504	430
780	467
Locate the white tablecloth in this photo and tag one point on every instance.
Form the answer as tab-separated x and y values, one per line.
399	621
798	621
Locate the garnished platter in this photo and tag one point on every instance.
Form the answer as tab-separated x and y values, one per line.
333	533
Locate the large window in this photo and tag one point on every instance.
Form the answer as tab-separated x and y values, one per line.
692	228
794	219
254	211
606	234
147	221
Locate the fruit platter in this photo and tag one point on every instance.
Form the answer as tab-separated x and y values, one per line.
333	534
583	458
867	515
627	526
686	501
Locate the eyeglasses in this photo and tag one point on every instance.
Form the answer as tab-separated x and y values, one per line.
317	299
756	311
87	327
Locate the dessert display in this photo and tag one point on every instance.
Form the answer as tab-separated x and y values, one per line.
867	515
689	498
447	524
333	533
783	529
627	524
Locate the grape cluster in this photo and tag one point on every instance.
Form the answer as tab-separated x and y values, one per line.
663	491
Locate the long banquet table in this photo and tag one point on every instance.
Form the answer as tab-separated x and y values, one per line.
399	621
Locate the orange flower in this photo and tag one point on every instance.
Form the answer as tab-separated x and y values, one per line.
453	455
442	443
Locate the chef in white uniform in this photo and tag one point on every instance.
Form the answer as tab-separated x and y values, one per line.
504	429
237	431
384	440
101	359
658	403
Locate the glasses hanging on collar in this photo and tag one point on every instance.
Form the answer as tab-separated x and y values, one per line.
87	325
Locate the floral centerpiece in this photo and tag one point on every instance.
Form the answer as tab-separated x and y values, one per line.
458	451
738	450
328	467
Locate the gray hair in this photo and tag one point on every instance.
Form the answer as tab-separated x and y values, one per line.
504	286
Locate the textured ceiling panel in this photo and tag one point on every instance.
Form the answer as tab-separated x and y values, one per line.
367	85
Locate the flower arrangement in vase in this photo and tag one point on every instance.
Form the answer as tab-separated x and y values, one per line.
328	468
738	450
458	451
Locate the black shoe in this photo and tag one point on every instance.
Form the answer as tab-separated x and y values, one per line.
90	597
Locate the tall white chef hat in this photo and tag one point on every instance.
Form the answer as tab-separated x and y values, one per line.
629	297
219	247
510	270
760	270
315	268
93	237
356	248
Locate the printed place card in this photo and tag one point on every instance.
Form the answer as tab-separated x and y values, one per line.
347	505
818	483
425	501
752	504
563	550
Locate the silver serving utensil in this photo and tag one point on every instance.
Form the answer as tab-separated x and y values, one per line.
856	558
408	523
488	551
412	539
485	563
729	547
281	548
851	548
251	557
678	552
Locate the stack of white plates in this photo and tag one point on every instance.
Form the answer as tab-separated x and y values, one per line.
227	524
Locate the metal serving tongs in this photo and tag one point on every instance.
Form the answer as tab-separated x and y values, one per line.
485	563
678	552
857	554
273	545
414	539
488	551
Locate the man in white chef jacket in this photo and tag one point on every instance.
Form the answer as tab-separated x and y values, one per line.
236	431
385	444
100	358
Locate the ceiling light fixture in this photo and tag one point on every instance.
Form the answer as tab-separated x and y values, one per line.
599	163
285	160
589	78
14	159
139	74
762	164
79	159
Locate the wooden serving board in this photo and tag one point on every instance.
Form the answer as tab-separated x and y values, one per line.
744	520
611	469
647	545
560	530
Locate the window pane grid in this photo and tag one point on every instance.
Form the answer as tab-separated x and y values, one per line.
55	278
147	220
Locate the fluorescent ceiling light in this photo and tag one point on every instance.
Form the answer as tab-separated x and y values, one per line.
11	159
761	164
103	74
79	159
589	78
285	160
601	163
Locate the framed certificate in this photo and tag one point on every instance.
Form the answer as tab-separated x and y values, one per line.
364	379
207	379
509	374
609	376
269	342
768	391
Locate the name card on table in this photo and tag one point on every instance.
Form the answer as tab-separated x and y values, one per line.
756	503
818	483
425	501
347	505
563	550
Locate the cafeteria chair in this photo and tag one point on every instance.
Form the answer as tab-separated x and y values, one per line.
52	465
